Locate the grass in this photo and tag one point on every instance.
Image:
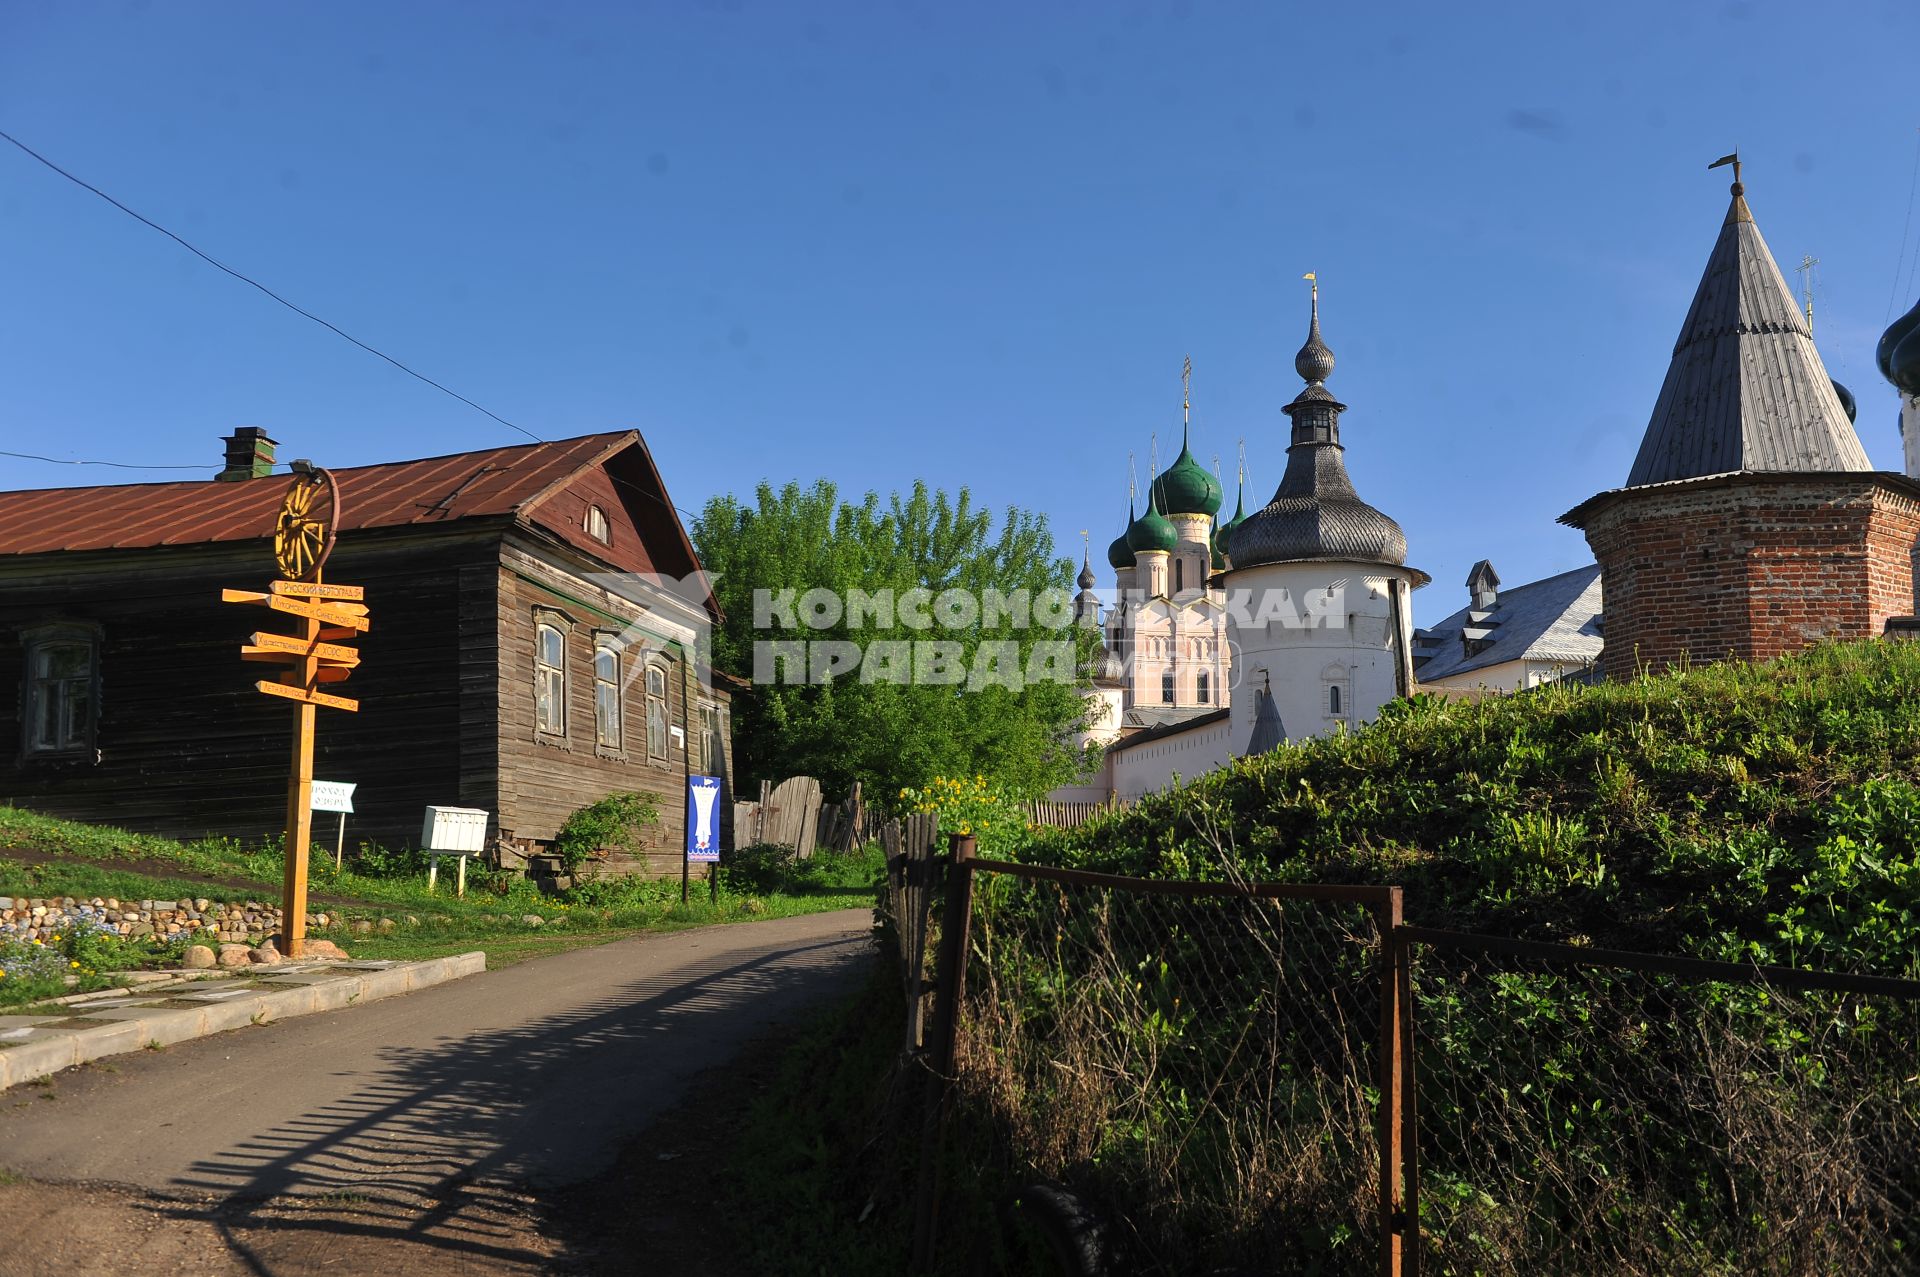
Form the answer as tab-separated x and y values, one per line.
41	856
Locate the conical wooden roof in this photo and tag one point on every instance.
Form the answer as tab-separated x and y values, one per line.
1746	389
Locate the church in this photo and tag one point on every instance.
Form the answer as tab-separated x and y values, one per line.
1751	524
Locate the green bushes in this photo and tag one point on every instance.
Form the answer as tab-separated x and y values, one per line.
1748	812
611	824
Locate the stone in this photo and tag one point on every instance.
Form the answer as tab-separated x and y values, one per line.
324	951
198	957
533	920
140	929
264	955
234	955
362	928
6	902
201	904
412	921
386	925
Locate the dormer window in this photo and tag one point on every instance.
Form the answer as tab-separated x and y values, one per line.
597	525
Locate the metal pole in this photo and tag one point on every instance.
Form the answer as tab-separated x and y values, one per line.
951	988
1390	1118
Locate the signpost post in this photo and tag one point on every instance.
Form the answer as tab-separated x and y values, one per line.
334	795
703	830
303	537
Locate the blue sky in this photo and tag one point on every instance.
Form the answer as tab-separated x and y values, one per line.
970	243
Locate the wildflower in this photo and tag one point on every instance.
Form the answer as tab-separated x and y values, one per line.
74	965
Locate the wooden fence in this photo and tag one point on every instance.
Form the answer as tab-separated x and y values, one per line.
1067	815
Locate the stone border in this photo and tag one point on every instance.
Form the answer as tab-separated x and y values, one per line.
132	1028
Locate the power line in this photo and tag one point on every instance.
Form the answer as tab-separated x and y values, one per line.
118	465
306	314
1913	182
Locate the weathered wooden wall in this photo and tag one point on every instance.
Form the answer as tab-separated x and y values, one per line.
185	746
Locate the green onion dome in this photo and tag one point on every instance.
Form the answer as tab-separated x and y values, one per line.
1224	530
1152	531
1185	487
1120	554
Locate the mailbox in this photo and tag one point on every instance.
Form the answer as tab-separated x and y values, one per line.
460	829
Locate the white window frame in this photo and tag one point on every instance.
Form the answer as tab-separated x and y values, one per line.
550	682
608	711
597	525
72	738
657	703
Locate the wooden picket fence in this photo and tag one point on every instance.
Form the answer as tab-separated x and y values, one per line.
1067	815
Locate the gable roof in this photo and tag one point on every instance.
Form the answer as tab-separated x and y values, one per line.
493	481
1556	619
1746	389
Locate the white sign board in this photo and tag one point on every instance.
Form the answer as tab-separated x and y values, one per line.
332	795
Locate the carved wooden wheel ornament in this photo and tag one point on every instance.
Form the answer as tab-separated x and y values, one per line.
308	525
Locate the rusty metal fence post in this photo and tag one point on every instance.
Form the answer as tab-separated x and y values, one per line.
1397	1126
950	988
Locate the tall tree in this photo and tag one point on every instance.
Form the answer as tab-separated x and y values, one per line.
882	722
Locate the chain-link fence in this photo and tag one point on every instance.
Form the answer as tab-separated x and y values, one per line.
1580	1115
1201	1062
1222	1071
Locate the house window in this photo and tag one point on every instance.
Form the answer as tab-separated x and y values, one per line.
1333	700
712	743
606	695
656	713
1204	692
1166	687
60	690
550	679
597	525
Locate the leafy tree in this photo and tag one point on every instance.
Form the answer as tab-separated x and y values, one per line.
859	726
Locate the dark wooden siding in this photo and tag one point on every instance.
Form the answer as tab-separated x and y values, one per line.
187	747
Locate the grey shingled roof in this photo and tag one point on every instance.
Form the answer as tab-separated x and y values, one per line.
1556	619
1746	389
1165	723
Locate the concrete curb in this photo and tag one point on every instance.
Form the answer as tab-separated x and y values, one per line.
115	1032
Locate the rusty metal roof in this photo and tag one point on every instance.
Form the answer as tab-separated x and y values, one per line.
1746	390
465	485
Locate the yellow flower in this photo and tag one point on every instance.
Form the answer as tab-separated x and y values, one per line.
74	965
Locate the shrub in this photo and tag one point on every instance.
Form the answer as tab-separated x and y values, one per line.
612	824
992	815
761	867
376	861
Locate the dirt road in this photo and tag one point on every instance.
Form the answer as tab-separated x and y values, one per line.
438	1133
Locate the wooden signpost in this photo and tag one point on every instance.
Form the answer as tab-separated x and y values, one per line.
325	613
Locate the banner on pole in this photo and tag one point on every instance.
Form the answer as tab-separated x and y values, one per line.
703	818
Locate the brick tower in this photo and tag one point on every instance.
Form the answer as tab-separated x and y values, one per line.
1752	523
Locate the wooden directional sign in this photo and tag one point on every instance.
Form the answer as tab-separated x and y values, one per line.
300	647
339	616
315	590
306	695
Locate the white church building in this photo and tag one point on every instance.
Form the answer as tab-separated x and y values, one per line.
1291	621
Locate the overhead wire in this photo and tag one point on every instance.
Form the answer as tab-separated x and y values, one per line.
1913	183
306	314
248	280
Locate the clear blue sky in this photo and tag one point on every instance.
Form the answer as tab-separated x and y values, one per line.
969	243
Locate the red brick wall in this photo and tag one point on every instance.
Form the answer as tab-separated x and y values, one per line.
1751	568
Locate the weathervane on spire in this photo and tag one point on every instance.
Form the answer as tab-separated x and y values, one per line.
1243	459
1133	479
1313	281
1186	391
1733	159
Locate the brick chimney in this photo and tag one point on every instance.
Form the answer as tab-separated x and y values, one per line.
249	454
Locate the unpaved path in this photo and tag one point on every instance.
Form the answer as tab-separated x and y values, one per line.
443	1132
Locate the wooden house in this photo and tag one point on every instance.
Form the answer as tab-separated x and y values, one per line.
537	617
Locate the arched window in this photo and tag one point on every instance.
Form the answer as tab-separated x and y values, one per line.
657	713
1204	692
606	694
1333	700
1179	575
550	679
597	525
1166	687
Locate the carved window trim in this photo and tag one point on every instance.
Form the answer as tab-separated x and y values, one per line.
42	681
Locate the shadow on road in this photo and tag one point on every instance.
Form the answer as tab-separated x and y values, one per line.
447	1160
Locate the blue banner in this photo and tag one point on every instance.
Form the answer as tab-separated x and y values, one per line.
703	818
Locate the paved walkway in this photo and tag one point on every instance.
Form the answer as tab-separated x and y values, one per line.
436	1109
